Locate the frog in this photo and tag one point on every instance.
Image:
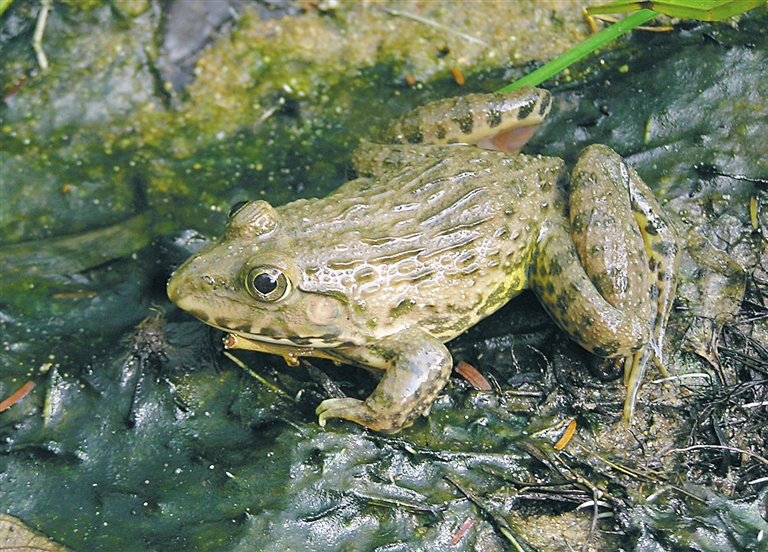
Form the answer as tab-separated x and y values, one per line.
445	222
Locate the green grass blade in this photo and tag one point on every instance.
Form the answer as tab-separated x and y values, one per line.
588	46
620	6
4	5
729	9
703	10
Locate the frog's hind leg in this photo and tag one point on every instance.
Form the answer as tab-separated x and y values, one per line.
662	250
600	164
631	259
663	257
579	307
575	303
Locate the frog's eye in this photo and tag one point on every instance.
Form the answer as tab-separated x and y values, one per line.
236	208
267	284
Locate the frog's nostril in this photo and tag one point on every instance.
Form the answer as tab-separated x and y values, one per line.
208	279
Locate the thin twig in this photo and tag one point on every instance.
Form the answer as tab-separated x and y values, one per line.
434	24
260	378
37	38
593	525
719	447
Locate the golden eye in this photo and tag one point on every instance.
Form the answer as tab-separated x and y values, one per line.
267	284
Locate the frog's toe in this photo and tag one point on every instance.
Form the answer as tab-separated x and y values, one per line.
634	370
336	408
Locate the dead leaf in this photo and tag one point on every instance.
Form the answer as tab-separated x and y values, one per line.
17	537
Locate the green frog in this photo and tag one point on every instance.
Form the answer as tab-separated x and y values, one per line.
443	225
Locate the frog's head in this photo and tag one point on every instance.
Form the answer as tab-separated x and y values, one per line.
245	284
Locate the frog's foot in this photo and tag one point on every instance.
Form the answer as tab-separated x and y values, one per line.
417	368
359	412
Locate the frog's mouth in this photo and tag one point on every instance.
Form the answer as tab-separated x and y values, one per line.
316	341
289	350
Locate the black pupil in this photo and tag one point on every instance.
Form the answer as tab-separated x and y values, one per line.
265	283
235	208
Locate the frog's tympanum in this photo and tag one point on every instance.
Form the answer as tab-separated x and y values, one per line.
434	235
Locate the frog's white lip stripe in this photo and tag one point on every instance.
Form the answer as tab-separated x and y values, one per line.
317	342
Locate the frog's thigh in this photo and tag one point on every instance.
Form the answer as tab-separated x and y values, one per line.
575	303
606	233
641	242
420	368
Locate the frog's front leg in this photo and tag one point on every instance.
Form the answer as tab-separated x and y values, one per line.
417	368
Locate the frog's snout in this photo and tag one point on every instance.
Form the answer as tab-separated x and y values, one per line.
172	288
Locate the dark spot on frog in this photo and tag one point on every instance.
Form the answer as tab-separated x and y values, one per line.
525	110
651	230
607	350
406	131
545	105
579	223
466	123
665	249
535	269
403	307
269	332
555	268
298	340
603	283
221	323
494	118
573	331
499	296
564	301
413	134
549	289
441	133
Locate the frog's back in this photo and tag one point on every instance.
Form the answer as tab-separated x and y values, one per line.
442	240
